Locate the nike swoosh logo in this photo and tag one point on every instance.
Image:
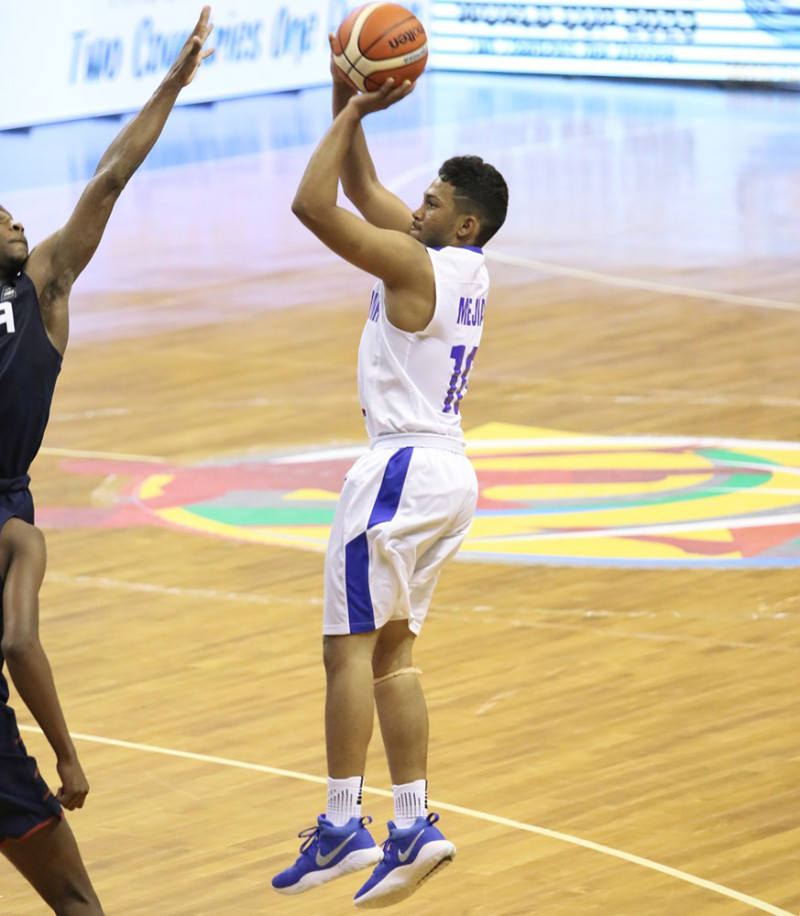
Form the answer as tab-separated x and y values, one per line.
322	861
403	856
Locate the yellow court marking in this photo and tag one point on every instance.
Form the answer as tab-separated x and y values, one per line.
313	495
155	485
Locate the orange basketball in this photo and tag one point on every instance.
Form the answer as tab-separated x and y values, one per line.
379	40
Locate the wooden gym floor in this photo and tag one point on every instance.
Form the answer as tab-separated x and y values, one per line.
608	738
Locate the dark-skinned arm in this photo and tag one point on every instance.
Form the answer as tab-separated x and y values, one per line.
29	668
54	265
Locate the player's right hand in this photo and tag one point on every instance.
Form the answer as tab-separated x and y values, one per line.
192	54
388	94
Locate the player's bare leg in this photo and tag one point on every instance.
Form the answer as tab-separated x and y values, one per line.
402	712
416	849
51	861
340	843
349	709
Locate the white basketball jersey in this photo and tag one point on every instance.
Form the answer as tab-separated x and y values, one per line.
414	382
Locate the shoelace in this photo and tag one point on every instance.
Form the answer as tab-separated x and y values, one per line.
309	835
312	833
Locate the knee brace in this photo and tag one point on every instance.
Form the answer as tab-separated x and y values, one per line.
387	677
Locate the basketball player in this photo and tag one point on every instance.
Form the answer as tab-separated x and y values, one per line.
34	292
407	503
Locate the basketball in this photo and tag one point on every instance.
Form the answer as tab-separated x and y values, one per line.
379	40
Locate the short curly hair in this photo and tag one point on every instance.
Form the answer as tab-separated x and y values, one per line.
480	187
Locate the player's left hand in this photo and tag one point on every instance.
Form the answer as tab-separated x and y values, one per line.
336	72
74	784
192	53
388	94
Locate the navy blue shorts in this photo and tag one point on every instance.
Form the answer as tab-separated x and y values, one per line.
15	500
26	802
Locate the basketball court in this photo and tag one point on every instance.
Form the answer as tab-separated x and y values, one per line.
612	663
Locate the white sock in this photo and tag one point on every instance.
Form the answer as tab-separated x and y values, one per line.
410	802
344	799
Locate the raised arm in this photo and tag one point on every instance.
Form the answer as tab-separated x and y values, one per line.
360	183
394	256
54	264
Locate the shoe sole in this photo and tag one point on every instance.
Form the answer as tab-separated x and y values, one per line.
433	857
360	858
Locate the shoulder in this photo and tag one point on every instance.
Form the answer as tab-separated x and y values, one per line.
464	261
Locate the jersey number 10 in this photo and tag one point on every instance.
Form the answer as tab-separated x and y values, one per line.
458	380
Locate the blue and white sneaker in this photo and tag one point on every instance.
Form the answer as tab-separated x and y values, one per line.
328	852
410	857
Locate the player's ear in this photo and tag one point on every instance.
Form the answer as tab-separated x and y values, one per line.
468	227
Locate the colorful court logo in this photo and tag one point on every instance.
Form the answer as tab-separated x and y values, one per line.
545	497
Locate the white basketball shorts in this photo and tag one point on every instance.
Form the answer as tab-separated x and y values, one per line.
402	514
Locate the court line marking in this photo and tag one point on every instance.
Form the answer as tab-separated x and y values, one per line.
455	809
731	522
88	453
652	285
542	266
264	600
591	616
593	276
530	443
151	588
103	582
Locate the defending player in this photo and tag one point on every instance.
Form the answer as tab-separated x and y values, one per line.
34	325
407	504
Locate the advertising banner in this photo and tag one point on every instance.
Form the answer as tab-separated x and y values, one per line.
728	40
63	60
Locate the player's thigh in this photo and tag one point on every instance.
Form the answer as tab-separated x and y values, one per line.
347	555
23	542
51	861
449	509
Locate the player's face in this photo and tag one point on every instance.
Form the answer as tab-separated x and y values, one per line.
436	221
13	244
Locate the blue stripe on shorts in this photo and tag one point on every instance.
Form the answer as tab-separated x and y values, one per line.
356	565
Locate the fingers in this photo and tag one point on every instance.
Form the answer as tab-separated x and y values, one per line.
202	30
202	22
71	800
392	93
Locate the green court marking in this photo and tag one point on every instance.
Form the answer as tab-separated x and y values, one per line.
258	516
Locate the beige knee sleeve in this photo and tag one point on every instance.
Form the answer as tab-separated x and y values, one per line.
387	677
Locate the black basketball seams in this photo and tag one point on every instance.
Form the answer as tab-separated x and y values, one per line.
353	64
388	31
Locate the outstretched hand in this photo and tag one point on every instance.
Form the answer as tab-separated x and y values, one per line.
192	54
388	94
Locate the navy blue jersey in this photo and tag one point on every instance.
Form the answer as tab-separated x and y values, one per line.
29	367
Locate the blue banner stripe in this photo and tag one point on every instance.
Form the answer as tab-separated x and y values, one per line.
356	575
391	487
